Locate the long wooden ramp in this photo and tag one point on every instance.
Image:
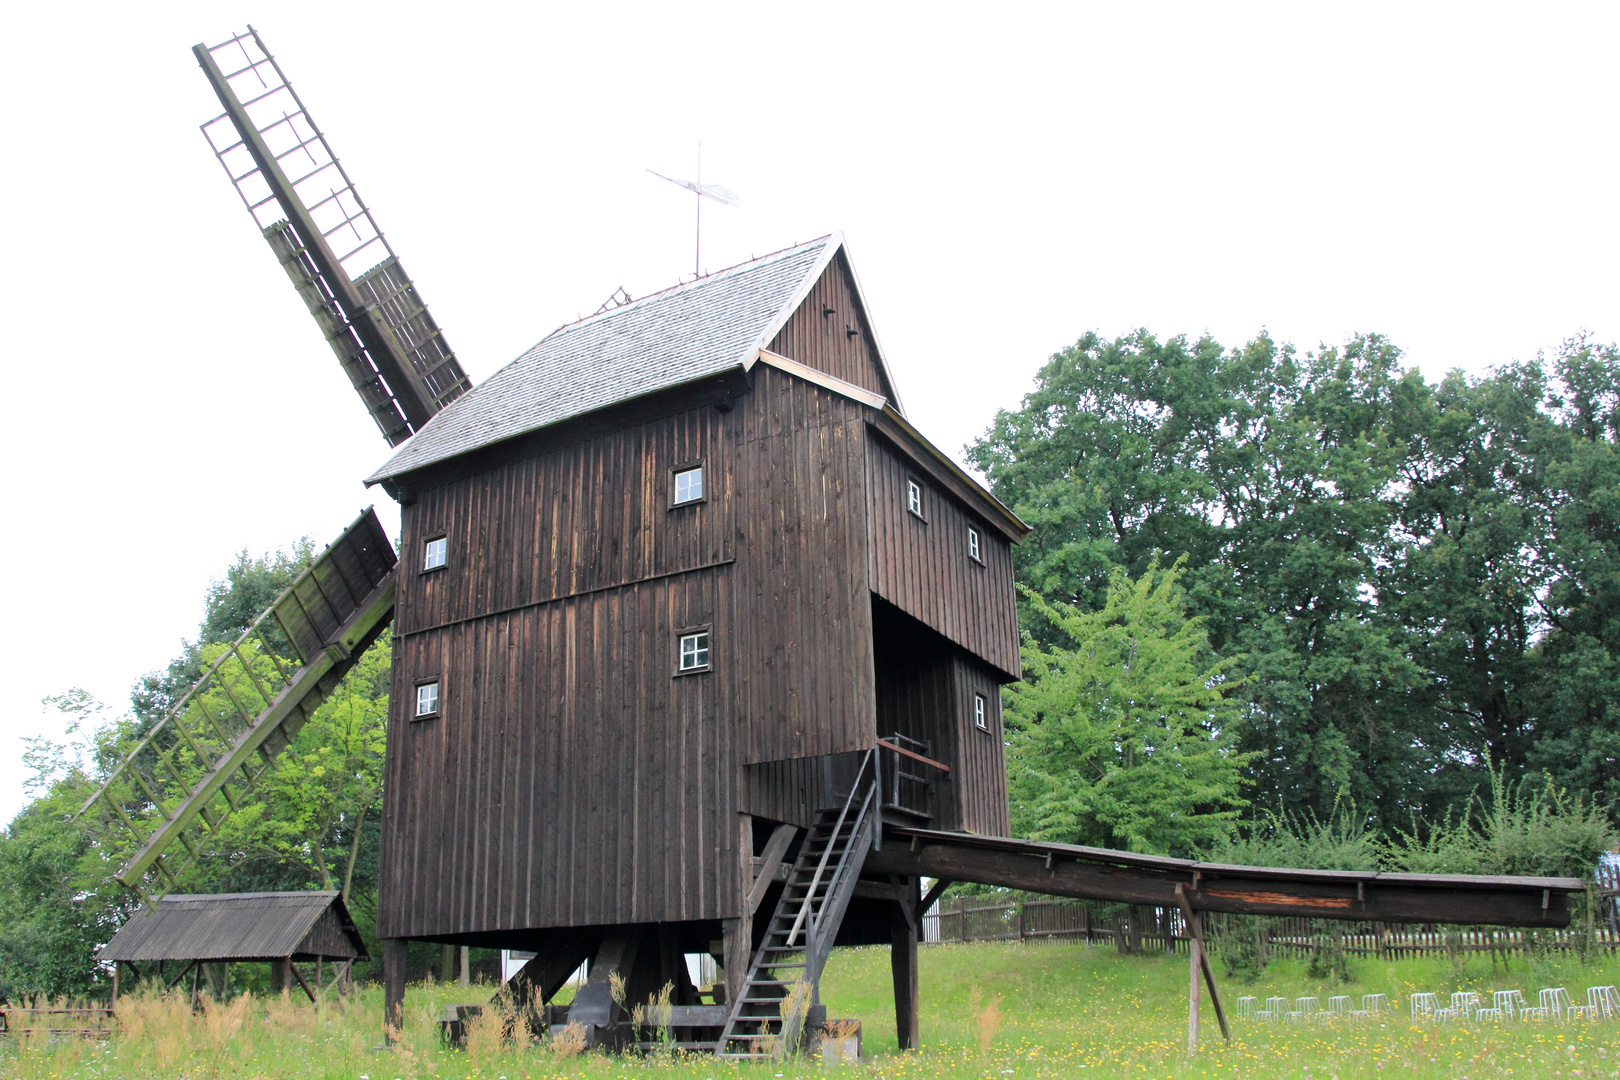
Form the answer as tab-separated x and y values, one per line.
177	785
1088	873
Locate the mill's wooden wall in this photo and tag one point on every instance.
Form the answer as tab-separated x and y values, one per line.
819	333
802	620
980	776
922	567
572	778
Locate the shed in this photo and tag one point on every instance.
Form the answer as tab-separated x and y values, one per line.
279	928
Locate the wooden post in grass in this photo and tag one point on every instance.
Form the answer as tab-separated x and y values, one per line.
1198	961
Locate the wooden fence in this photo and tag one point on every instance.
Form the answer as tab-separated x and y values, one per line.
1140	929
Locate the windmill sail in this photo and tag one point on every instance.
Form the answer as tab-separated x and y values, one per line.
324	236
176	786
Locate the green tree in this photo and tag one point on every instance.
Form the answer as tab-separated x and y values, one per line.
1122	735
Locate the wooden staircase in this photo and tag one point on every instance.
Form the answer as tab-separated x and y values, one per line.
767	1019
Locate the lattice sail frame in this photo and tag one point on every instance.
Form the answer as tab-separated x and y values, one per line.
325	236
177	786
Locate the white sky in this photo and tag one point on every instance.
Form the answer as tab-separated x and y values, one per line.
1007	177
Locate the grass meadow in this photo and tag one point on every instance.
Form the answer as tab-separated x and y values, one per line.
989	1010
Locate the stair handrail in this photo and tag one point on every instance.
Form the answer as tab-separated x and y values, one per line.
861	819
838	827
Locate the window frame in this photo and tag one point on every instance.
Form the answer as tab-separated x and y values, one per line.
702	466
975	544
435	681
915	486
429	542
981	712
706	630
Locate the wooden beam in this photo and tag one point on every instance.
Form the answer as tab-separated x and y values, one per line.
1240	890
775	848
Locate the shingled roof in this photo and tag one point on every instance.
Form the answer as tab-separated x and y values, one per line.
239	926
677	336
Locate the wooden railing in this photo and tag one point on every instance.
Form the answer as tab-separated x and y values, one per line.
908	776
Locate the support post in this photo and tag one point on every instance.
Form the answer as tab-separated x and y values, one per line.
739	932
1198	962
465	977
116	965
903	965
393	988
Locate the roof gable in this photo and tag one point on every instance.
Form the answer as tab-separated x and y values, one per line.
665	340
829	330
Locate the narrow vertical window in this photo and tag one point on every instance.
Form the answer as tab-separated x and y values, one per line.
435	553
980	709
694	651
973	545
427	699
688	485
914	497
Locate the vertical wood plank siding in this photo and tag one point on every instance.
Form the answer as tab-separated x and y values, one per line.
981	764
803	622
588	515
823	341
922	567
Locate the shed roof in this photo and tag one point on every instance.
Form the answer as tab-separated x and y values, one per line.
239	926
669	338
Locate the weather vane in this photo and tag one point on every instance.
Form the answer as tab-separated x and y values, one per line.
701	191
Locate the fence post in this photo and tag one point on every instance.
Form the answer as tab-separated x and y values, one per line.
1020	910
961	917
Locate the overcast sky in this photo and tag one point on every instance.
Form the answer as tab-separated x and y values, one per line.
1007	176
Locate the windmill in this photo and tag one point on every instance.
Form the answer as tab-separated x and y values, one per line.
195	766
701	649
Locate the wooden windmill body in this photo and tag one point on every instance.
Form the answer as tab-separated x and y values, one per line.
849	584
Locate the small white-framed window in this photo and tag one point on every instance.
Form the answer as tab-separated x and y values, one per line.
688	485
427	699
914	497
435	553
981	712
973	545
694	651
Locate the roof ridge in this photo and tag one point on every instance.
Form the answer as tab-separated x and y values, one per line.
724	271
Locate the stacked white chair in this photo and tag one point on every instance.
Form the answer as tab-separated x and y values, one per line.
1373	1004
1604	1001
1465	1003
1247	1006
1555	1003
1276	1008
1339	1008
1306	1010
1424	1004
1507	1003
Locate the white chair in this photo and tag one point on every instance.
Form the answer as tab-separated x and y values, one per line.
1466	1003
1306	1010
1424	1004
1604	1000
1247	1006
1339	1007
1507	1004
1372	1004
1555	1003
